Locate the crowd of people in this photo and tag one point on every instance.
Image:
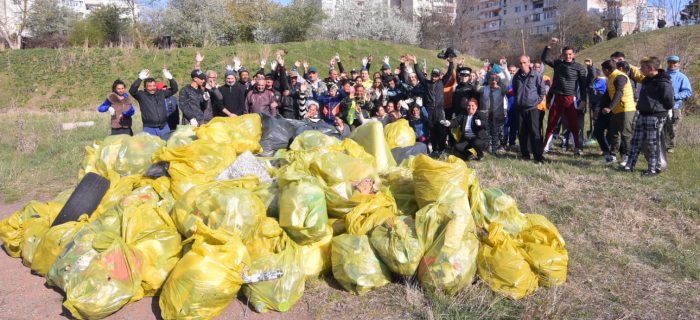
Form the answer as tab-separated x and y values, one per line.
493	109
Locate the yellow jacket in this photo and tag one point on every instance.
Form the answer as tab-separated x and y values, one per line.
627	103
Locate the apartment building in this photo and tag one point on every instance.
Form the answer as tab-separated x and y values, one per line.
490	20
413	8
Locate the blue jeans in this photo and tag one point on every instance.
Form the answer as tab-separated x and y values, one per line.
163	133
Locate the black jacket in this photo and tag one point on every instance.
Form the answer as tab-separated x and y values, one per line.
153	112
656	95
434	95
569	77
460	121
233	99
463	91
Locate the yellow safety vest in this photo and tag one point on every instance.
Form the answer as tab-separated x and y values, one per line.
627	103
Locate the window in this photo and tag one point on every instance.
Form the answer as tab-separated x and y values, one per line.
517	9
505	12
538	5
536	17
525	7
548	15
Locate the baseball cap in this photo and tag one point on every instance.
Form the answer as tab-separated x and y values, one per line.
231	73
294	73
673	58
435	71
196	73
161	85
313	70
353	71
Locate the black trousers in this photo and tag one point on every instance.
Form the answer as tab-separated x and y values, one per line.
530	135
438	132
463	147
116	131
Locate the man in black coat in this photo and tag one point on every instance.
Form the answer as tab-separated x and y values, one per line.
472	126
152	102
655	99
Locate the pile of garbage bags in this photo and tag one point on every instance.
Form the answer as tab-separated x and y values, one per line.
198	219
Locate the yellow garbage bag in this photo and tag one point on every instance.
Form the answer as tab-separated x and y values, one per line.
502	208
106	154
397	245
219	205
431	219
501	265
371	211
242	133
544	249
302	207
194	164
36	227
370	136
400	183
13	228
112	280
183	135
148	229
355	266
450	264
69	267
338	226
119	188
310	143
271	250
317	256
207	278
135	154
399	134
430	177
53	243
89	163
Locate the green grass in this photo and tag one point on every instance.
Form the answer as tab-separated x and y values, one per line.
77	78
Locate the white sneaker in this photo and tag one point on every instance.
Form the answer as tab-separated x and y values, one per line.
624	161
608	159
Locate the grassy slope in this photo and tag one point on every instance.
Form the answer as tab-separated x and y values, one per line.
682	41
80	78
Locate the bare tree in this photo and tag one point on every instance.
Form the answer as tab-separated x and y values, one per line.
13	22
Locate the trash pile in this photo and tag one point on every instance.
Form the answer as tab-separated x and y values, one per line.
199	218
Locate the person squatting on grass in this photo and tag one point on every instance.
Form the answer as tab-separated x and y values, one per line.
471	126
655	100
120	108
152	102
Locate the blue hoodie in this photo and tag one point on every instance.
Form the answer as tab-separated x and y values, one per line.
681	87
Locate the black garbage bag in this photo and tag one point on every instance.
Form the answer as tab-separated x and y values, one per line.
401	153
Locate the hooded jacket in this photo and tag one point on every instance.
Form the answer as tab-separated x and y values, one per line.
681	87
233	99
656	95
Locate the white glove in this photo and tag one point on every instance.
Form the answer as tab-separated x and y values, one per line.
167	74
364	62
206	96
273	64
419	101
263	62
445	123
111	111
337	57
477	122
236	63
144	74
409	69
193	122
386	59
403	104
385	92
229	67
